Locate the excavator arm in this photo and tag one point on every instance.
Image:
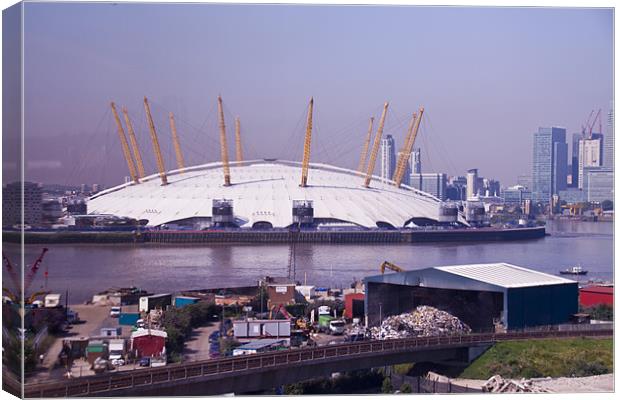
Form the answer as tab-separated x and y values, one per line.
389	265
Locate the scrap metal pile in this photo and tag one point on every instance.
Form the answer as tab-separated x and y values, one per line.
423	321
497	384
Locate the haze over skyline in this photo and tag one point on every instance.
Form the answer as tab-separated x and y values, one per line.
487	77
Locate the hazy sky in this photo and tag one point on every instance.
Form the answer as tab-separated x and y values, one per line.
487	77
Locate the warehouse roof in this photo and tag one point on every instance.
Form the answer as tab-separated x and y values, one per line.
504	275
260	344
488	277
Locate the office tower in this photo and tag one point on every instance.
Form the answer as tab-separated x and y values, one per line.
12	200
549	163
516	194
472	183
432	183
599	184
608	140
590	155
388	158
574	170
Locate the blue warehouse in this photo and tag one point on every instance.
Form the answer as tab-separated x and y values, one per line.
485	296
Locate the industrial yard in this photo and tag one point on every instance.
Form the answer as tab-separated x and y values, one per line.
130	329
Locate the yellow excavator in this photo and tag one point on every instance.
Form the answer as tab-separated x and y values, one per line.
389	265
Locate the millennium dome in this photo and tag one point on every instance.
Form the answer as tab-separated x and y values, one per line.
267	194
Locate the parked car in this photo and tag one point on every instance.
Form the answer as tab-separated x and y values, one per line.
118	362
213	337
145	361
115	312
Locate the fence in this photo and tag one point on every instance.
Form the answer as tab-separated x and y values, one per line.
176	374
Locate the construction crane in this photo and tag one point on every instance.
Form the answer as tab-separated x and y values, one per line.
124	145
134	144
375	147
238	151
16	295
362	164
410	142
389	265
177	145
223	144
155	141
401	153
598	114
307	141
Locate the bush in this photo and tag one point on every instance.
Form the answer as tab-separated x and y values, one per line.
589	368
405	388
603	312
386	386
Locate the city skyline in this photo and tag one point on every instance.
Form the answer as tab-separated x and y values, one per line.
267	69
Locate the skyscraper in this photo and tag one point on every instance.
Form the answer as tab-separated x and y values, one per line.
590	155
388	158
549	163
472	183
574	170
608	140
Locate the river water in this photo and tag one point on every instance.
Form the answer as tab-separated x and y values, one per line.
84	270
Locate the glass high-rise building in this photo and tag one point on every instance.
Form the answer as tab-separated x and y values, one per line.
608	140
549	163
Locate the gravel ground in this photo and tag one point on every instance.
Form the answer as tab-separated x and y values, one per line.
588	384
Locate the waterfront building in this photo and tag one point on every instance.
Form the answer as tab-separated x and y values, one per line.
51	211
600	184
491	187
472	183
549	163
516	194
388	158
13	199
573	195
432	183
590	155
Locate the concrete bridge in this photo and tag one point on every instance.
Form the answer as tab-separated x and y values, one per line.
268	370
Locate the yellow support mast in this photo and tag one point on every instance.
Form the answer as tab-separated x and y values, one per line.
238	151
223	144
155	141
375	147
307	142
124	145
177	144
134	144
409	148
362	164
401	154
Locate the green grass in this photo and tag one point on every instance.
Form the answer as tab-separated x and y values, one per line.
541	358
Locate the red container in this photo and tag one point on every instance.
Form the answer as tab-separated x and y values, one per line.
349	299
595	295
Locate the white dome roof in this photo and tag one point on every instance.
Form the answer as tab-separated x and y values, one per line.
263	191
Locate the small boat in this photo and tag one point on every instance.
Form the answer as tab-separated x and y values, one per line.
577	270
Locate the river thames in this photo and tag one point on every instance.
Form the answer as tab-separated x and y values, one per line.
86	269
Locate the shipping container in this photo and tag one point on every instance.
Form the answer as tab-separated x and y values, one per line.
262	328
117	331
181	301
595	295
129	319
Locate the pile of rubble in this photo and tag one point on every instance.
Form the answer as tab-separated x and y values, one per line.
423	321
497	384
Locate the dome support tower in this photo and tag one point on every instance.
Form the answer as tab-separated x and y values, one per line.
223	144
134	144
375	147
238	151
177	144
125	146
155	141
362	164
307	142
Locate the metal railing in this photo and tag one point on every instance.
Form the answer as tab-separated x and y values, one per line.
224	367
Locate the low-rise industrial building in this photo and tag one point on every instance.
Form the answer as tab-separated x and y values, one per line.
596	295
484	296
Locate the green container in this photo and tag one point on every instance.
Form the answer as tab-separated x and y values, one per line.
324	319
